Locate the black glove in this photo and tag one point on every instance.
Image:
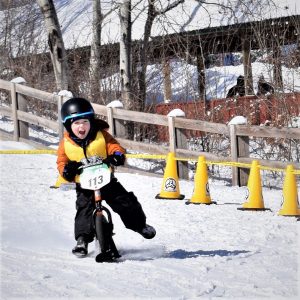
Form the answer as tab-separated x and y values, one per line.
116	159
71	169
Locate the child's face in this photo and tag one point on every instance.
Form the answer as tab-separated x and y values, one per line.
81	128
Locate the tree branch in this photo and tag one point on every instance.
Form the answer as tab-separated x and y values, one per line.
169	7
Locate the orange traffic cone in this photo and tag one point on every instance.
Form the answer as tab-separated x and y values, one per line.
290	206
201	193
254	196
170	186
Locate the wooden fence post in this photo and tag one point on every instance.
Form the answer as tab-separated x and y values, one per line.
117	127
181	142
22	105
234	153
243	151
120	128
239	148
177	139
14	107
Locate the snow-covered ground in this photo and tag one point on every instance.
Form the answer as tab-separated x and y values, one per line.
199	251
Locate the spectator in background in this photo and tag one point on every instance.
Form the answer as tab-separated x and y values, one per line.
263	87
238	89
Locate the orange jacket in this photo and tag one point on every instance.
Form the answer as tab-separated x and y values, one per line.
112	145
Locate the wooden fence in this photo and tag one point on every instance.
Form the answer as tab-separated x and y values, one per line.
239	135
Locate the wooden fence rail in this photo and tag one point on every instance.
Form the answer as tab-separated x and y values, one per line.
239	135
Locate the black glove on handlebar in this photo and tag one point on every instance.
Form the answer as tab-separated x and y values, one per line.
116	159
71	169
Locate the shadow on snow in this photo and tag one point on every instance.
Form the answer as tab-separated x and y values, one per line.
152	253
183	254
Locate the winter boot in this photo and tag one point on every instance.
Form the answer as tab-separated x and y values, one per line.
81	248
148	232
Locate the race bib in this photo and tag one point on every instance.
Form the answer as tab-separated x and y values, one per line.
95	177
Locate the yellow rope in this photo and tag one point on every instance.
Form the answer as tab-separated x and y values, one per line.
35	151
236	164
146	156
155	157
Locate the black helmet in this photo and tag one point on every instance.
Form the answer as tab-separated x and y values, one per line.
74	109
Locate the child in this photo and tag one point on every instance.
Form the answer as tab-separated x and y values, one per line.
85	137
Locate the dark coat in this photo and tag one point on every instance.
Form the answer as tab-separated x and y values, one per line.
238	89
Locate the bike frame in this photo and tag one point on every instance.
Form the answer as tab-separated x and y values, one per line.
104	228
103	225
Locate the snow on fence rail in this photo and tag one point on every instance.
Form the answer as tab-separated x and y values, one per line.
116	117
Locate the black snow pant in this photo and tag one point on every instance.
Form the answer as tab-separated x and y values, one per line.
122	202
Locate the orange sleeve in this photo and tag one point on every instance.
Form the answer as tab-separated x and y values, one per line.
112	145
62	158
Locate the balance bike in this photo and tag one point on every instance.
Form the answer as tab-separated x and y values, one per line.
96	174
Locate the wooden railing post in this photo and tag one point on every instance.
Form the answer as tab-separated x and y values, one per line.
234	153
23	126
21	104
177	139
117	127
14	107
239	148
181	142
243	151
120	128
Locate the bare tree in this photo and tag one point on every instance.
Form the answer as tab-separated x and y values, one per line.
56	44
95	58
125	52
152	13
95	49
